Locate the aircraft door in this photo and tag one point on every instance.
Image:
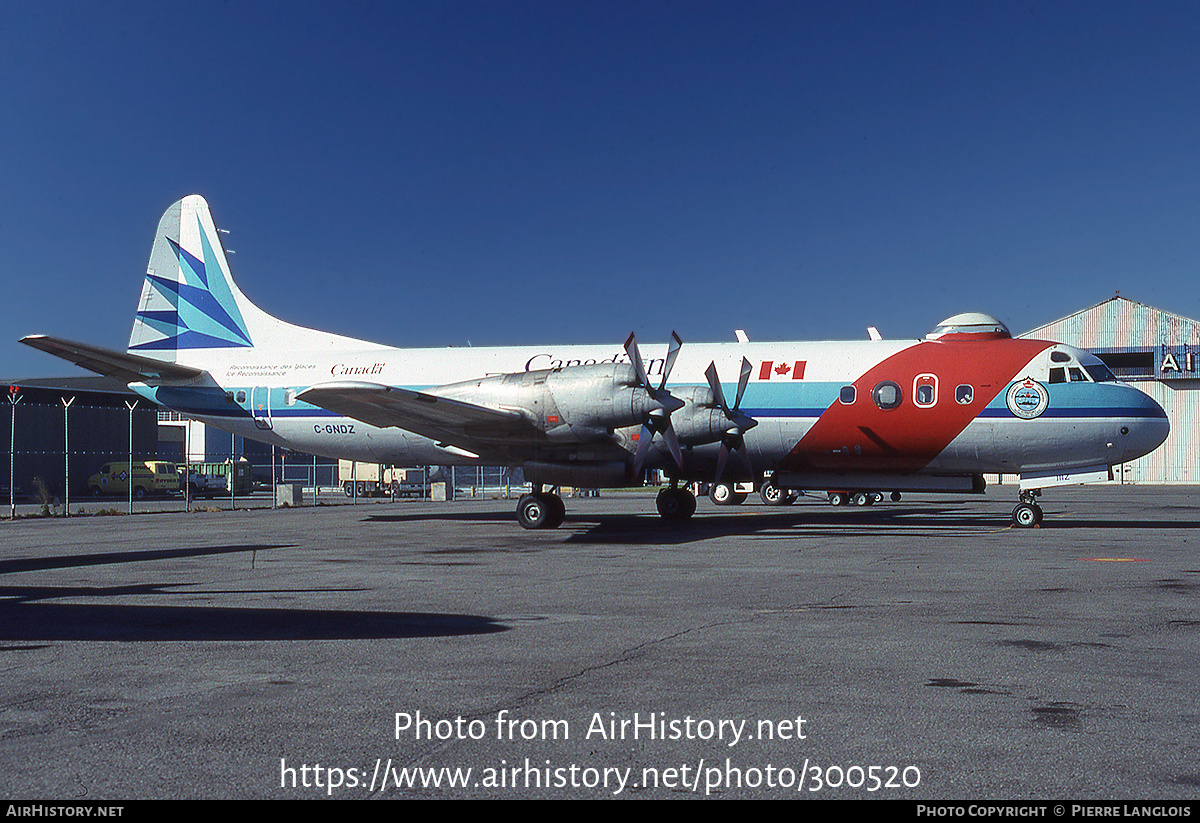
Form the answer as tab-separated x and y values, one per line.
260	406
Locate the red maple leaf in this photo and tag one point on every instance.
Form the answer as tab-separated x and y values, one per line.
782	368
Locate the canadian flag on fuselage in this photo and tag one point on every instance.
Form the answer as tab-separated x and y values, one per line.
780	370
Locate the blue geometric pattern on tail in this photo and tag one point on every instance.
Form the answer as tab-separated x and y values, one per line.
204	313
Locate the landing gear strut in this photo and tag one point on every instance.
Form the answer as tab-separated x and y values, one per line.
1027	513
541	510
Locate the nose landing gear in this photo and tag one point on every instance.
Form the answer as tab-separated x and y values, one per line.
1027	514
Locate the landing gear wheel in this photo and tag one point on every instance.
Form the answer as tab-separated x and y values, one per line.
772	495
676	504
541	511
723	494
838	498
558	511
863	499
1026	515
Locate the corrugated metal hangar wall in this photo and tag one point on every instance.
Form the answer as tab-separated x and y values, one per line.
1157	351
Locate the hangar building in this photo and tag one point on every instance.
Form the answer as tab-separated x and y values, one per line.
1158	352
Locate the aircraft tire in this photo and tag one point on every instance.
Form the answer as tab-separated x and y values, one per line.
723	494
1026	515
675	504
862	499
533	512
772	495
558	511
838	498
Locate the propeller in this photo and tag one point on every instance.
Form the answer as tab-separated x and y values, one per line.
658	420
734	438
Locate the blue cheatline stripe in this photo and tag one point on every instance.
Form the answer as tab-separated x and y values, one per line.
1099	413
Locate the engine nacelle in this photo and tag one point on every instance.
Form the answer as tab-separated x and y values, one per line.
700	420
574	404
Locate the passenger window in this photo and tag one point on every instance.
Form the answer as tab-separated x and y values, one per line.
847	395
964	394
886	395
1058	375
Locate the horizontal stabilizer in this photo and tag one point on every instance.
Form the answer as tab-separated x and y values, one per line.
438	418
130	368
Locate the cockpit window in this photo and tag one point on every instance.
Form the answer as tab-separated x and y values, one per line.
1060	356
1058	375
1099	372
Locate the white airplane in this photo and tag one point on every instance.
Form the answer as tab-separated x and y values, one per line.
853	418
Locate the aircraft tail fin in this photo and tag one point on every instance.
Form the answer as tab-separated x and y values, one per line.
190	307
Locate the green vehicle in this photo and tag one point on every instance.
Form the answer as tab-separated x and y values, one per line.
147	477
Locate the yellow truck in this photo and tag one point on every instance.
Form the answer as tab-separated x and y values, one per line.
147	477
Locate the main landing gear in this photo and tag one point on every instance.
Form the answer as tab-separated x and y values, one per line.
1027	513
541	510
675	503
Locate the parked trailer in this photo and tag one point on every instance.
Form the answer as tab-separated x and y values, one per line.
378	480
212	479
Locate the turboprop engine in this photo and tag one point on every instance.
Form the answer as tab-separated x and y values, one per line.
573	404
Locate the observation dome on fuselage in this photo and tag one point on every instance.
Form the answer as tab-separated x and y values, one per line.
971	325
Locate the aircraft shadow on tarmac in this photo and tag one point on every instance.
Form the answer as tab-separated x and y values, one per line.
807	521
24	620
26	616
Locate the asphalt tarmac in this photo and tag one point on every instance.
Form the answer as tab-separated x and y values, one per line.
917	650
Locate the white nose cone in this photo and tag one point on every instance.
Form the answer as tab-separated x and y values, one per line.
972	323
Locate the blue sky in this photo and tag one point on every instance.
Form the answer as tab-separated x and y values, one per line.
433	173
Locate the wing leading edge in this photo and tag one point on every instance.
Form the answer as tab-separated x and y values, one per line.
130	368
439	418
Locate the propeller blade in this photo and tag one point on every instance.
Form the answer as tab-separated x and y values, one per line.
746	464
715	384
739	423
659	420
672	352
639	368
673	444
743	381
722	456
639	458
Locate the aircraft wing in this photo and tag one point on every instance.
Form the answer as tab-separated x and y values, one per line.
129	368
439	418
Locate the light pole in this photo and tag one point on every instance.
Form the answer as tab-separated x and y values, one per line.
66	458
14	397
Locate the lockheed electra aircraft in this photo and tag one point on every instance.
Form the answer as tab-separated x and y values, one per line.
855	419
